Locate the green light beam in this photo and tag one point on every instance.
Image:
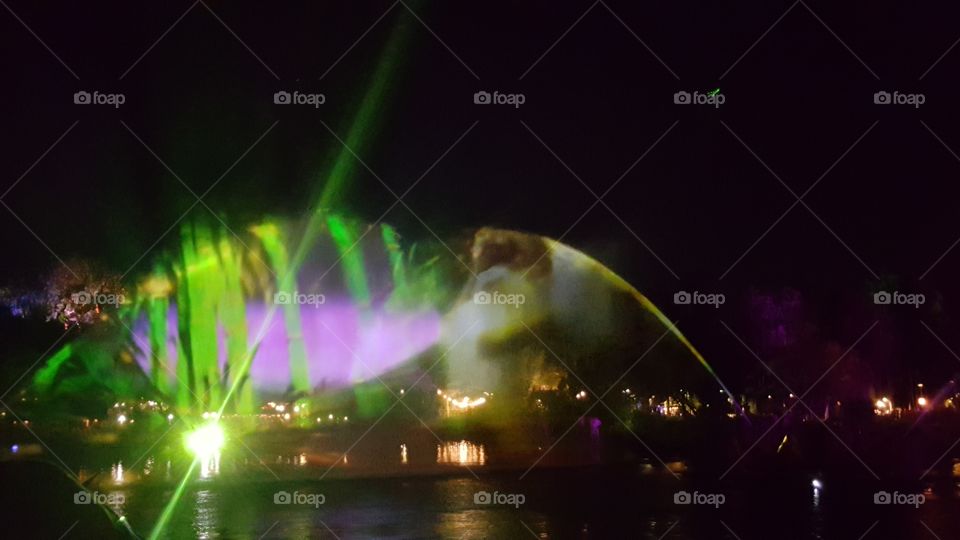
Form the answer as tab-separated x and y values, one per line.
172	503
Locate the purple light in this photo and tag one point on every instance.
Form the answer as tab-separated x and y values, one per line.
595	424
345	344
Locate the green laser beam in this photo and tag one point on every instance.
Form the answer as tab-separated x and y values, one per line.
172	503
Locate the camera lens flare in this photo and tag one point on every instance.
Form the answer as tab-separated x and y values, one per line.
206	440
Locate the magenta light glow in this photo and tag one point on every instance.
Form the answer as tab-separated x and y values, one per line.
345	344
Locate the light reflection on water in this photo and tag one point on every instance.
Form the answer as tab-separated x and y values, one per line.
461	453
299	460
444	507
441	508
210	466
116	472
205	506
205	517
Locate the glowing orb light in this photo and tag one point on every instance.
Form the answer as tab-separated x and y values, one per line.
883	406
206	440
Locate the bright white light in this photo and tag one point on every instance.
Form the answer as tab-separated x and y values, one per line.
817	484
883	406
122	419
205	441
467	403
922	401
117	471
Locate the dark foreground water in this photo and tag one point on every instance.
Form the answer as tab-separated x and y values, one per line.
562	503
468	490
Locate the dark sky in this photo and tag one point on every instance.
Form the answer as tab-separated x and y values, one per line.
798	82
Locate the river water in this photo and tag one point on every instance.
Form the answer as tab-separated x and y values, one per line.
464	498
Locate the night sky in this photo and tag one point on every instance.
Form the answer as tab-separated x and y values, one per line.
598	79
